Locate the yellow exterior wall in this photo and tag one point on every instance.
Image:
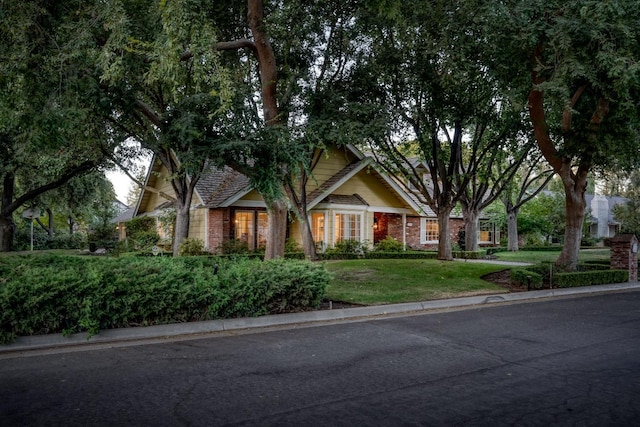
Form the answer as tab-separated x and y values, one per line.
152	200
331	162
368	185
252	195
198	224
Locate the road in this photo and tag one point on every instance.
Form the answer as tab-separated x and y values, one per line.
568	361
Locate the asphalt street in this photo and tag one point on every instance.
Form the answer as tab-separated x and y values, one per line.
568	361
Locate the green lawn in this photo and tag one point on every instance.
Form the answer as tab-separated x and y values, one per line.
600	254
389	281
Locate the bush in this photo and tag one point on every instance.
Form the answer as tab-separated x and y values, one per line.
468	254
524	277
589	278
191	247
233	246
50	294
402	255
389	244
351	247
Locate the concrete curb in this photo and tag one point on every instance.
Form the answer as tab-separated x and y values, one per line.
160	332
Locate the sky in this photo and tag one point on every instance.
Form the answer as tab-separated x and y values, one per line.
121	184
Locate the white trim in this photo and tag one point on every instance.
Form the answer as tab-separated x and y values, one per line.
236	198
336	207
325	213
249	204
404	232
363	163
423	230
348	212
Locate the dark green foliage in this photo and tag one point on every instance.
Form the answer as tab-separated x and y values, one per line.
42	241
588	278
469	254
191	247
234	246
402	255
351	247
526	277
588	274
142	233
548	248
52	294
389	244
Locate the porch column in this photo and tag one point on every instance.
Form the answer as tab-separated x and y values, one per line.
404	232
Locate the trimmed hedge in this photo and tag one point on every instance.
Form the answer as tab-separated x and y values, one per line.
589	278
51	294
521	276
588	275
469	254
402	255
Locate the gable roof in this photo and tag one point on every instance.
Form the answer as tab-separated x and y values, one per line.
221	187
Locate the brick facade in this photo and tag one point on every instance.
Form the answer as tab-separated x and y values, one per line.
391	224
219	227
623	256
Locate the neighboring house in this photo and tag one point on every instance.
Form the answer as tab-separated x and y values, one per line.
348	198
602	222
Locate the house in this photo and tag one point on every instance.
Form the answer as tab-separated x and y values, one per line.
602	222
348	198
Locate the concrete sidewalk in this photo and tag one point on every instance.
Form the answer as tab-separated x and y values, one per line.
192	330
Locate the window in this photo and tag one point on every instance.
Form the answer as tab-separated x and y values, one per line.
244	228
317	226
263	226
430	230
347	227
251	227
487	233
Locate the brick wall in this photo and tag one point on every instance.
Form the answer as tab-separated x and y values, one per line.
219	228
394	228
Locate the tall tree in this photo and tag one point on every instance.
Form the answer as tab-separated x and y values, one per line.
425	78
529	181
47	137
582	61
161	83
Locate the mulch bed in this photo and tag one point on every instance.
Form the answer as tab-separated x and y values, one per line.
502	278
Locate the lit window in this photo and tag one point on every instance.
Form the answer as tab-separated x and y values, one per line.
430	230
347	227
244	228
487	232
263	227
317	226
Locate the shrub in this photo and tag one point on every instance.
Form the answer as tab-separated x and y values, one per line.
191	247
48	294
234	246
589	278
291	245
353	247
402	255
389	244
524	277
468	254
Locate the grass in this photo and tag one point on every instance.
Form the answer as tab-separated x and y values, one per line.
391	281
600	254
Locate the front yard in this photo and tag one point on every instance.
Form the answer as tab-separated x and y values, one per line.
390	281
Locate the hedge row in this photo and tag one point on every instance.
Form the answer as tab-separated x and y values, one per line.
524	277
469	254
588	278
536	275
52	294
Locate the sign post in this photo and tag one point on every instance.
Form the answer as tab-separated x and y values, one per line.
32	213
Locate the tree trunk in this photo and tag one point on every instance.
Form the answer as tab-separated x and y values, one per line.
308	245
184	195
7	226
512	229
444	238
277	228
7	229
575	205
181	230
471	230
